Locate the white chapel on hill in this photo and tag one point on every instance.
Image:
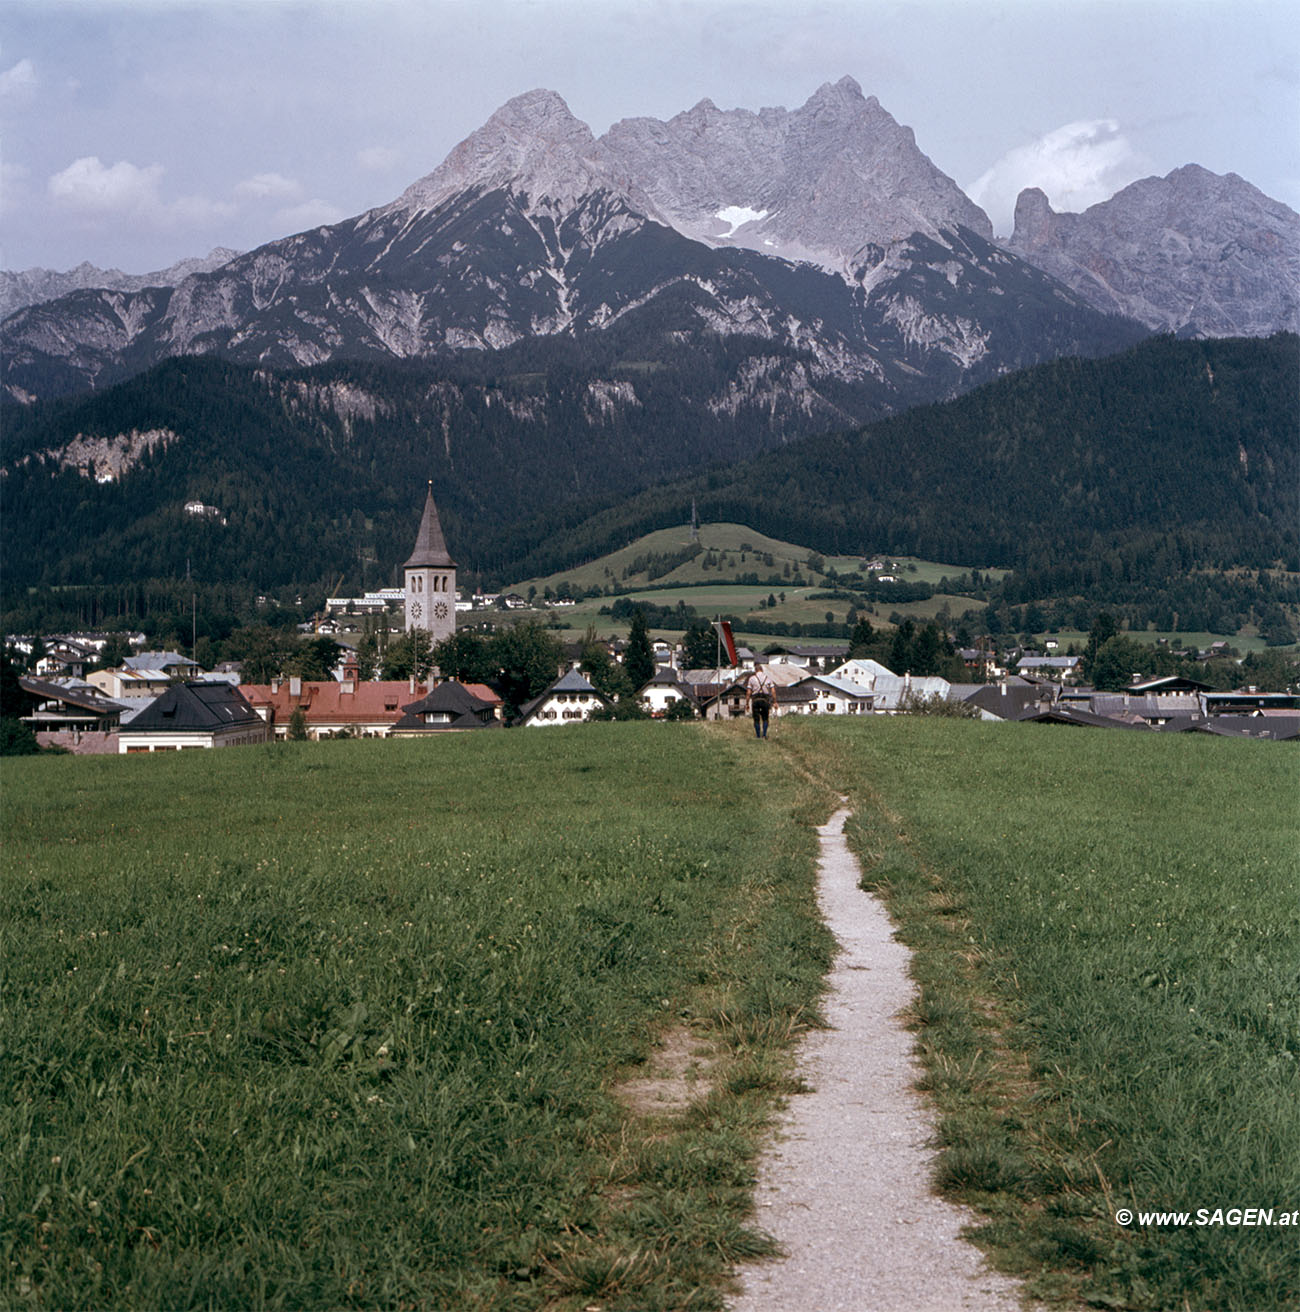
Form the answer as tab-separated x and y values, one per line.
431	579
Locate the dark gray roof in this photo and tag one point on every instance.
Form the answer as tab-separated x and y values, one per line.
196	708
156	660
84	699
1278	728
1007	701
1085	719
430	545
573	681
448	698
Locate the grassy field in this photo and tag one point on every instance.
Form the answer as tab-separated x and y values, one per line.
731	541
362	1024
346	1025
1108	939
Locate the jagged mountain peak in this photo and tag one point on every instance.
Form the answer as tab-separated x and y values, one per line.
846	93
1193	252
817	183
532	144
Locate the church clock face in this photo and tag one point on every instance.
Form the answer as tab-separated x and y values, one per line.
440	610
416	610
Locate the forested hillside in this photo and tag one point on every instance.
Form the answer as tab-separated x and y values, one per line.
320	473
1165	477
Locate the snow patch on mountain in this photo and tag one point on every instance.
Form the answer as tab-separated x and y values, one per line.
736	216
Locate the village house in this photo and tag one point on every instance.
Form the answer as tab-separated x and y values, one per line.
824	694
812	658
1064	668
450	706
124	684
665	689
71	715
329	709
194	715
569	700
1008	699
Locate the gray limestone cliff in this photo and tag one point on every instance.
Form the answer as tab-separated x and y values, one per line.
1195	253
817	183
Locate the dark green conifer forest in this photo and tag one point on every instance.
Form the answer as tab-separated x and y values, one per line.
1161	481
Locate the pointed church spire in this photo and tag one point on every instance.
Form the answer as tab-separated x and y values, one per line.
430	545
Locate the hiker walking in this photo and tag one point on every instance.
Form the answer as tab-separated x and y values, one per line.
760	694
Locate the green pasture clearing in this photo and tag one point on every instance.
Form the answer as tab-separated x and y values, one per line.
1244	642
1108	938
731	541
709	600
343	1024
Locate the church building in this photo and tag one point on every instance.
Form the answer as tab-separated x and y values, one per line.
431	579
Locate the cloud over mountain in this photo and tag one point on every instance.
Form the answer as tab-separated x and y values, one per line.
1075	166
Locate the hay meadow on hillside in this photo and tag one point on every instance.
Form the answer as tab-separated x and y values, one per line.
498	1021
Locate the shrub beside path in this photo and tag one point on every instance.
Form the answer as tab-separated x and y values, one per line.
846	1189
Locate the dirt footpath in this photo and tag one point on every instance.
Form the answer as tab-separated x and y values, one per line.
846	1188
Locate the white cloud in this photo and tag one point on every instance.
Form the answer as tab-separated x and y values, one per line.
310	214
268	186
1076	166
379	159
20	81
88	186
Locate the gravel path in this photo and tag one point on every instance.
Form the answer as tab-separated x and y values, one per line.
846	1188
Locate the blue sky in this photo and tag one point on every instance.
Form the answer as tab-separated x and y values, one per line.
136	132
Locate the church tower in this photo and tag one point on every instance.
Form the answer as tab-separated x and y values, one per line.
431	579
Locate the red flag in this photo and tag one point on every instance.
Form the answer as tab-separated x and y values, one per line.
724	632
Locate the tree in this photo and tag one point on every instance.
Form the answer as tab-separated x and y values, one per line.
629	708
465	655
298	725
901	649
264	653
700	646
113	652
603	672
17	738
316	659
409	657
367	657
1117	660
861	639
528	659
638	659
1103	630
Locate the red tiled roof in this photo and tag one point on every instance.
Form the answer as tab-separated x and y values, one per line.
482	692
326	701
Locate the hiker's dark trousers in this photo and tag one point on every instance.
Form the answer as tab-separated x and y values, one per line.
760	719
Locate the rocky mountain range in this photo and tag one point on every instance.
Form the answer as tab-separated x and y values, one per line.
852	276
534	229
33	286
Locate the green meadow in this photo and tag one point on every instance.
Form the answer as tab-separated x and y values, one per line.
1107	930
309	1027
392	1024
